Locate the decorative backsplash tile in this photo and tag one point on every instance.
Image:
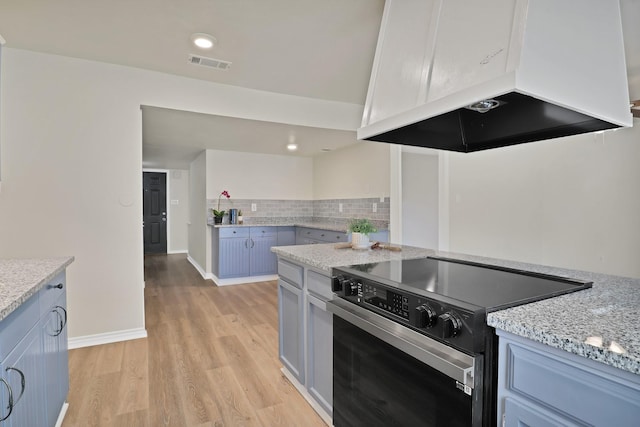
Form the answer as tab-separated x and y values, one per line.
316	210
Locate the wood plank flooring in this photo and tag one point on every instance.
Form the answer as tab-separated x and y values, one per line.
210	359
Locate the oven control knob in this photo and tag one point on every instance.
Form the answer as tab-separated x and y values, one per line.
338	283
451	324
425	316
350	287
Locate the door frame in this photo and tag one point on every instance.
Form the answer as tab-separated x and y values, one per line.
167	173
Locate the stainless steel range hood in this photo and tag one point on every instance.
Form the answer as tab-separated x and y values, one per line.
466	75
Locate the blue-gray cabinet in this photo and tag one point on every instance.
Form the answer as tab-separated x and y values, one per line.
306	331
543	386
286	236
34	369
234	252
261	260
290	318
55	345
244	251
309	236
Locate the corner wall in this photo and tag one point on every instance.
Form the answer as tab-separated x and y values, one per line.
72	167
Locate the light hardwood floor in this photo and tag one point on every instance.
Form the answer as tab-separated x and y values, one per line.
210	359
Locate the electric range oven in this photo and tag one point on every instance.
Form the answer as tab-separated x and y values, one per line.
411	346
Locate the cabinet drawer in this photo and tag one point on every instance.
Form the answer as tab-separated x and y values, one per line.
332	236
321	235
15	326
234	232
571	390
291	272
319	285
263	231
50	293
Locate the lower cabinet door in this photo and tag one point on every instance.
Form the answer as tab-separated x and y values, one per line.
56	360
320	353
290	329
22	372
263	261
234	257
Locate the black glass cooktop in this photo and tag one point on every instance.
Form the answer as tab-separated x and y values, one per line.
480	285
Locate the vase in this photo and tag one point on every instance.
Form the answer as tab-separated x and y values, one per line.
217	220
240	221
360	241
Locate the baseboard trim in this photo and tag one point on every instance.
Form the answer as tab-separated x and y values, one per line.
63	412
107	338
242	280
205	275
177	252
303	391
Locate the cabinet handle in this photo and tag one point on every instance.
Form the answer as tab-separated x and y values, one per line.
23	382
63	321
58	286
10	407
252	243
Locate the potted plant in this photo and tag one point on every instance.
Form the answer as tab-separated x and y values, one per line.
240	216
217	213
360	229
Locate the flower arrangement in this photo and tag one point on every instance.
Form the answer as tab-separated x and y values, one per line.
217	213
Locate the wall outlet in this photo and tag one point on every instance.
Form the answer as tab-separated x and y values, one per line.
254	207
339	207
375	207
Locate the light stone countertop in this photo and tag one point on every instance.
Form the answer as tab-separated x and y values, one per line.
608	312
22	278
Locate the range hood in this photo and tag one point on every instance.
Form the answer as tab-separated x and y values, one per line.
467	75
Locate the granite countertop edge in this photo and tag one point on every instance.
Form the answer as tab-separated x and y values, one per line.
329	226
607	309
22	278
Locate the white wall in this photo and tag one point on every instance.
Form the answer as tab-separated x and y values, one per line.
357	171
420	199
178	184
198	232
572	202
259	176
72	167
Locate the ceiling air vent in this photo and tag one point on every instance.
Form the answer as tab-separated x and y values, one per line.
209	62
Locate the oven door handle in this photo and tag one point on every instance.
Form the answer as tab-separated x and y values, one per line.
443	358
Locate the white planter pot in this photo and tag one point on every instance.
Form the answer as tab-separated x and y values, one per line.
360	241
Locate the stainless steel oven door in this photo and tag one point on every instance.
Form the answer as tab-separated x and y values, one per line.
385	374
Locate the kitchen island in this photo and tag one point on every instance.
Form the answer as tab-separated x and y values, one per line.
597	328
34	368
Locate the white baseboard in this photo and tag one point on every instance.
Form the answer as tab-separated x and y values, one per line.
205	275
107	338
303	391
177	252
63	412
242	280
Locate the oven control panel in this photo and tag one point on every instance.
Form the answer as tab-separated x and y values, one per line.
428	316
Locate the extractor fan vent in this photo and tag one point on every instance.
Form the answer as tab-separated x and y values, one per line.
209	62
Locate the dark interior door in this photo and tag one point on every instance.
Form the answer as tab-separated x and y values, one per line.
154	212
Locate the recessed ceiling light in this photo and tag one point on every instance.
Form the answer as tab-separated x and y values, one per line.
203	41
292	147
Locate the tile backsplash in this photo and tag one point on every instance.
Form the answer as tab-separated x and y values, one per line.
322	210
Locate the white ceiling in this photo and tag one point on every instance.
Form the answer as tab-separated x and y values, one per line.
172	139
318	49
